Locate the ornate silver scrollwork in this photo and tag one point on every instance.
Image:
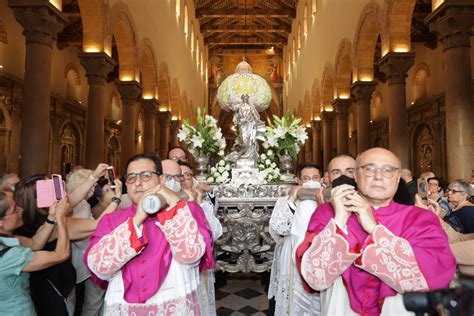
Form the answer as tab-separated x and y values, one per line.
244	212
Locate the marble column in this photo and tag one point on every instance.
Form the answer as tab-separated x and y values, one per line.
317	142
129	92
97	66
165	126
396	66
453	22
362	91
327	118
342	114
41	22
150	107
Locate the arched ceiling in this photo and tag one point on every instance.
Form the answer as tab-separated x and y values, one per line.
233	25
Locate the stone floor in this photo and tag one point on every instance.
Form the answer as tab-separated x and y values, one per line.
240	294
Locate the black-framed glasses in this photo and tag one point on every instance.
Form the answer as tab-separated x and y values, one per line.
188	175
388	171
177	177
454	191
145	176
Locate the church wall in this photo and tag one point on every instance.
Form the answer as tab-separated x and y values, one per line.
171	47
333	21
12	55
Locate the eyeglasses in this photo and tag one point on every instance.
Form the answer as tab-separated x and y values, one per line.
145	176
188	175
177	177
307	178
454	191
16	209
387	170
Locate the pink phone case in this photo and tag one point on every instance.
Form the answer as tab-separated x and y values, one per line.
45	191
45	196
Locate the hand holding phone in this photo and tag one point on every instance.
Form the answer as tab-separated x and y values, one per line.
422	186
111	176
49	190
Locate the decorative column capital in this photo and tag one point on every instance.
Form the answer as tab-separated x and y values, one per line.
316	125
175	124
129	90
165	118
362	90
342	106
150	106
452	21
41	20
396	66
327	116
97	65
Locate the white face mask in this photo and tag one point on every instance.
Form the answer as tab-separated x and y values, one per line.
173	185
312	184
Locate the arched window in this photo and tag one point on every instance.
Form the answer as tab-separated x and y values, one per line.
197	52
178	9
295	52
115	108
192	38
420	92
299	39
305	21
186	21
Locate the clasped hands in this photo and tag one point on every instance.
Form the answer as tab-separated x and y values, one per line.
346	200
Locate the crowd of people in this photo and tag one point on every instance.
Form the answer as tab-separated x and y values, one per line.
349	241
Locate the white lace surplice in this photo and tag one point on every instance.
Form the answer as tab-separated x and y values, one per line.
178	295
288	229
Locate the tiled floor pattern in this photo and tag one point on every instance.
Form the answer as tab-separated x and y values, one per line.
243	294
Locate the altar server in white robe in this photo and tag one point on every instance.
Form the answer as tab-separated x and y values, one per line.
288	224
190	185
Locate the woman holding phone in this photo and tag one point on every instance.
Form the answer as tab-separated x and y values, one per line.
16	260
52	289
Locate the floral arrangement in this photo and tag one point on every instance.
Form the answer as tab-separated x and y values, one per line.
268	167
204	139
285	134
220	173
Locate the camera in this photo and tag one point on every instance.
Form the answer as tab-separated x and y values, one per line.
449	301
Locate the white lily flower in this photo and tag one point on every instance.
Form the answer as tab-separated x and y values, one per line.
280	131
183	133
197	141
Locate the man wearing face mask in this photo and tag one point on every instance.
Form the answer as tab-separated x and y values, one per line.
152	261
288	223
171	176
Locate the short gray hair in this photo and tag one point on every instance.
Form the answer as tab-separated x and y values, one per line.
5	178
463	185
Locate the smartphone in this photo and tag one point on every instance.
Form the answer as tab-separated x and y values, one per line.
111	176
49	190
422	186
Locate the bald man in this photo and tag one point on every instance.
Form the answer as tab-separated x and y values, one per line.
341	165
362	250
